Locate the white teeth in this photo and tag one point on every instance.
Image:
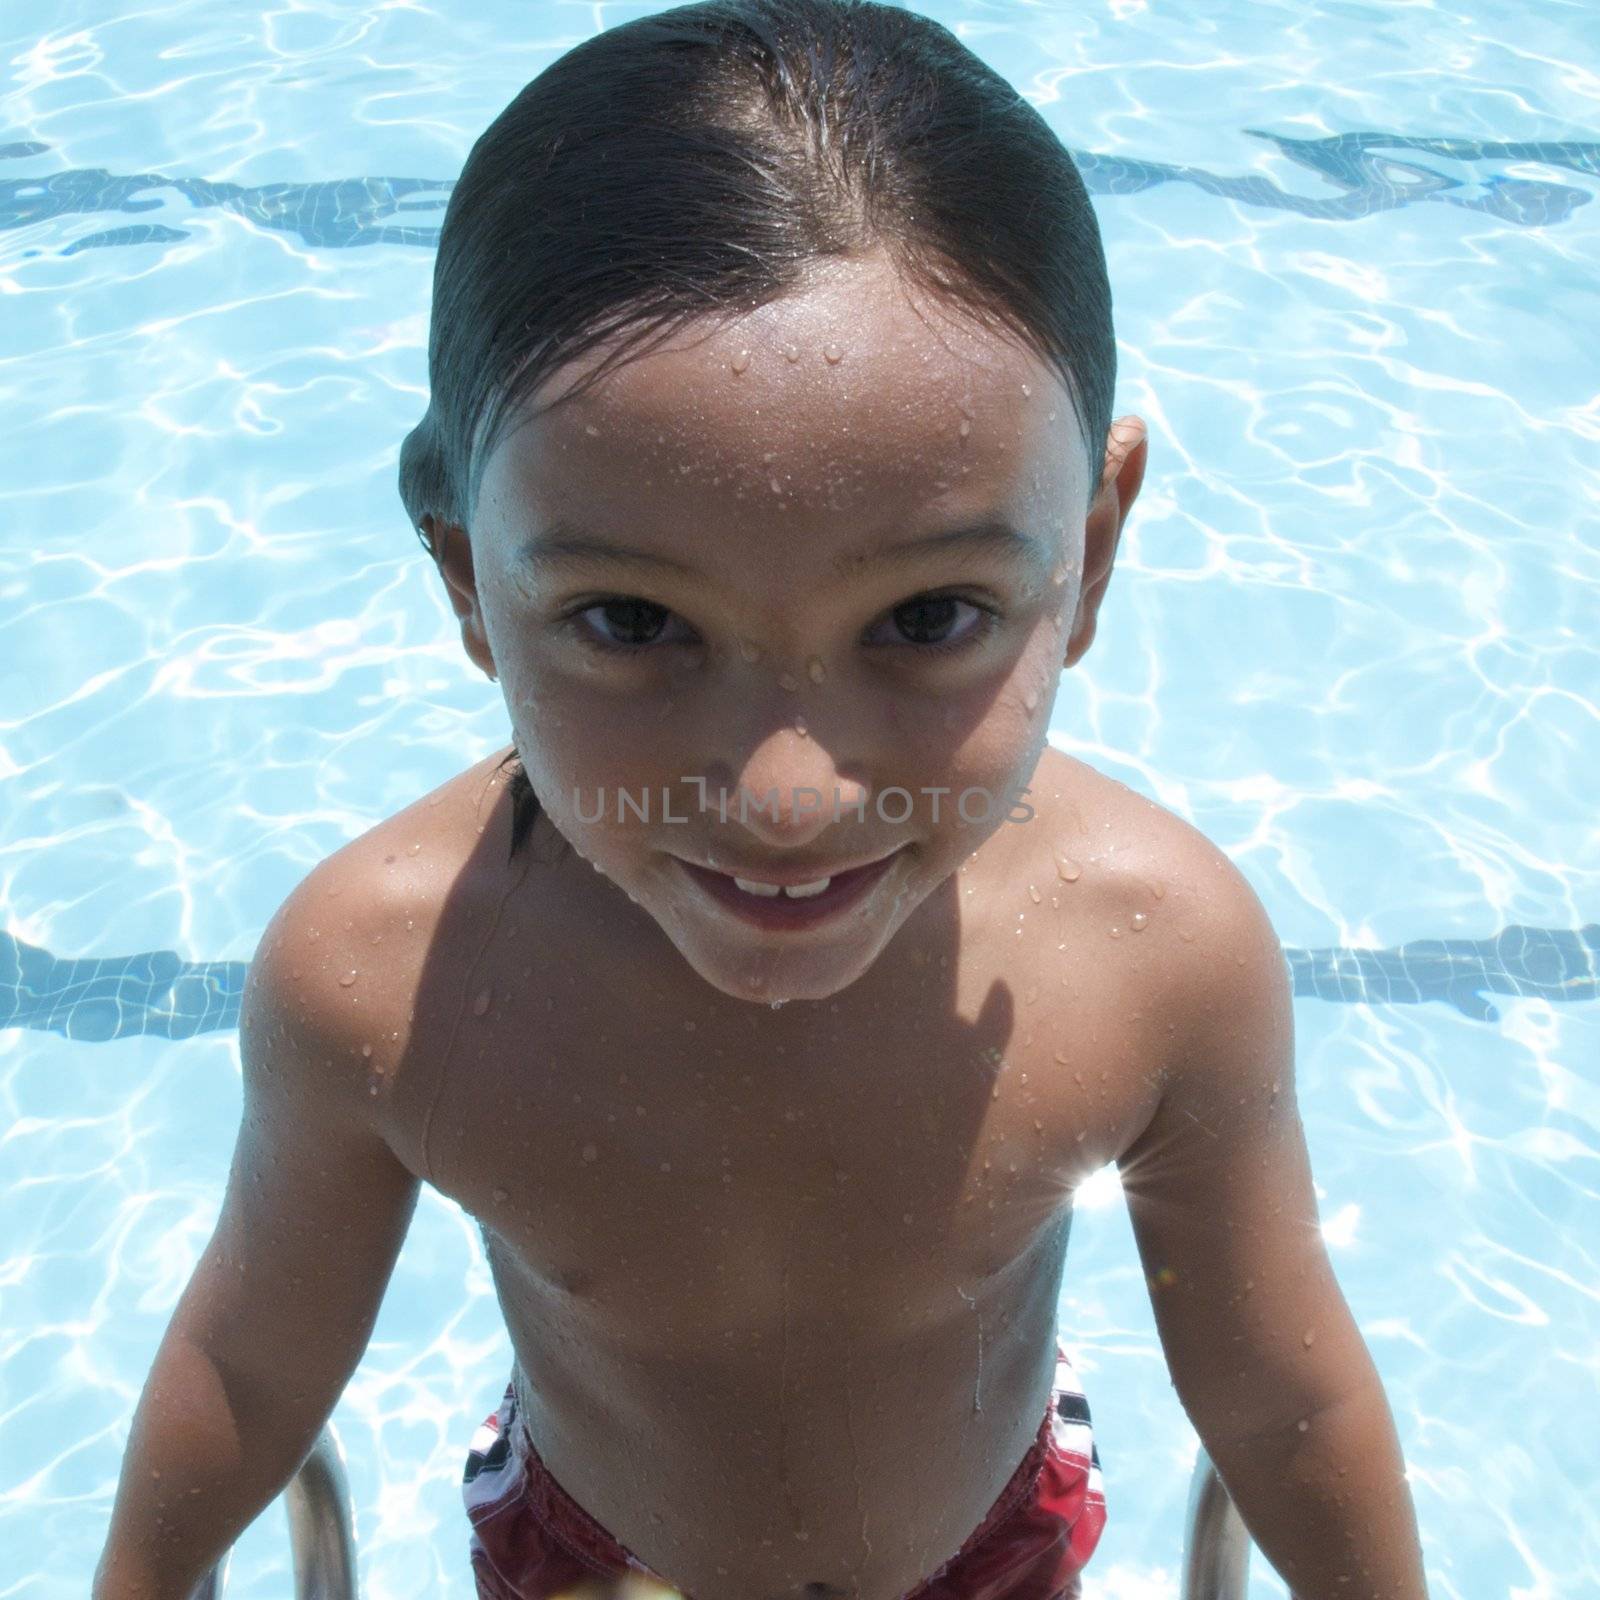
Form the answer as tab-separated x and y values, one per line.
797	891
765	890
804	891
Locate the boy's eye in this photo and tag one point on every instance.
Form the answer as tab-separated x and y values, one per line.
637	622
927	623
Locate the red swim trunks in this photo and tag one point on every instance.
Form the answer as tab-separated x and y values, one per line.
532	1541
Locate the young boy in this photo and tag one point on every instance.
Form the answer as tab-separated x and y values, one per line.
776	1185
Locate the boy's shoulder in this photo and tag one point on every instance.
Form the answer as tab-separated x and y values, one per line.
352	938
1165	913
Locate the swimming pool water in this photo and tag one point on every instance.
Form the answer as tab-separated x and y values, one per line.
1351	637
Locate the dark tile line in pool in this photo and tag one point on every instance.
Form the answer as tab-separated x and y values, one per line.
157	992
348	212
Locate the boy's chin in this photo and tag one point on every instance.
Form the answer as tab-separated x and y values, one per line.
774	976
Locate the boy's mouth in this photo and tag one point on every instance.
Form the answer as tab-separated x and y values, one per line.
791	904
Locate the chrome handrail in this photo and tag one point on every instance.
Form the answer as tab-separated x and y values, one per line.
1216	1544
321	1529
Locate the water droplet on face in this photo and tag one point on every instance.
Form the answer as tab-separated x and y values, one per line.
1051	417
791	352
347	978
1068	870
1308	1336
481	1004
741	361
1026	391
800	726
815	670
590	1153
500	1194
1138	921
1031	699
749	651
1033	893
366	1049
832	354
774	485
965	429
787	680
592	431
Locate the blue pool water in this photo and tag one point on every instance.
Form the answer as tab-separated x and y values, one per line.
1351	637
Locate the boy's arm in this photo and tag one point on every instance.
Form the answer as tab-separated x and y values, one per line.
283	1299
1264	1353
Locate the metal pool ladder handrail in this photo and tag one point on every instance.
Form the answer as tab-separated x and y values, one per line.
1216	1546
321	1531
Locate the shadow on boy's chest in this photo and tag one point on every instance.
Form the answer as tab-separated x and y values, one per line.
720	1177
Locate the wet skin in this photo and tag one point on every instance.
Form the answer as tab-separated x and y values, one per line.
799	1265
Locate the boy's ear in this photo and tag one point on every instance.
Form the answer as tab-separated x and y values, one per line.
1121	478
452	554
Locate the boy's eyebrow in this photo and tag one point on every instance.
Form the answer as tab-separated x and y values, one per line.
564	542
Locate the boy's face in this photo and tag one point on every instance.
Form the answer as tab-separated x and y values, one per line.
769	650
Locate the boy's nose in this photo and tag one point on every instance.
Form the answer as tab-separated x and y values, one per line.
791	788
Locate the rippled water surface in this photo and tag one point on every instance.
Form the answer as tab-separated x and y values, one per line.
1351	637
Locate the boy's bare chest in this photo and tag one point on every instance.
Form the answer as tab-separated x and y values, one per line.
668	1165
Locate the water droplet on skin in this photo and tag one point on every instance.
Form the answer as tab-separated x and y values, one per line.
590	1153
366	1049
1303	1424
1308	1336
788	681
1116	933
592	431
1186	936
1138	921
1026	391
1052	417
832	354
1033	894
800	726
791	352
815	670
500	1194
749	651
1068	870
965	429
741	361
481	1004
775	486
1031	699
347	978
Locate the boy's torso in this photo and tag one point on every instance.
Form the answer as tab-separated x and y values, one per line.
781	1285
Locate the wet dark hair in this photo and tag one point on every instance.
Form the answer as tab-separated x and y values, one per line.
701	161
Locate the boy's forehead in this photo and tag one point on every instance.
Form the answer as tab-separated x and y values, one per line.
832	398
